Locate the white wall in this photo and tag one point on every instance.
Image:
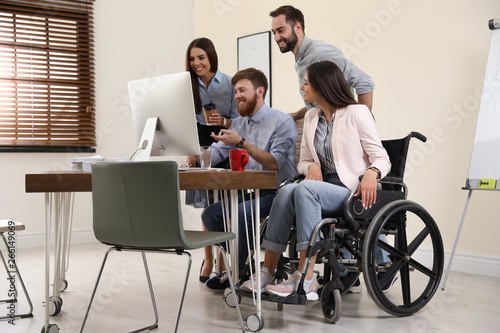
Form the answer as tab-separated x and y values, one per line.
427	59
133	39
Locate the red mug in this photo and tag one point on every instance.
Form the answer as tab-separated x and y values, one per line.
238	158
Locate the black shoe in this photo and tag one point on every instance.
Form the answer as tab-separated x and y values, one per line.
356	288
203	279
218	283
390	283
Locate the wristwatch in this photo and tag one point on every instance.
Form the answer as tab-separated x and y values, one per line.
376	170
240	144
224	121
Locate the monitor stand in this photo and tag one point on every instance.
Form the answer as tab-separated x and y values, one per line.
146	143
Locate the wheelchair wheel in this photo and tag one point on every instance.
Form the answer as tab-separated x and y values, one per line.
415	248
331	304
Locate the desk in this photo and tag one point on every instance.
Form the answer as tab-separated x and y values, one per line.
59	188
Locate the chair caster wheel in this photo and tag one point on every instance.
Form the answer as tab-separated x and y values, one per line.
255	323
52	328
55	305
64	285
228	297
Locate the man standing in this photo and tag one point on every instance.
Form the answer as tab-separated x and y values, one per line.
288	28
268	136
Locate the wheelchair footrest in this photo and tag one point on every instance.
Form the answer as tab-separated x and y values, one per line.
290	299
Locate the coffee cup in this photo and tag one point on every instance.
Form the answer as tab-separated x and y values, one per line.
208	110
238	158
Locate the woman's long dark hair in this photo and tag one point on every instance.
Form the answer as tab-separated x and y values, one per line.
328	80
206	45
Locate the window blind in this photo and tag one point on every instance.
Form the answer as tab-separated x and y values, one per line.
47	74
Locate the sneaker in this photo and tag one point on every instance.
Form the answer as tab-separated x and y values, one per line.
390	283
265	279
218	283
291	285
356	288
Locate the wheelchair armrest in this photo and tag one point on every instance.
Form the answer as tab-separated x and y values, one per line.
392	180
355	212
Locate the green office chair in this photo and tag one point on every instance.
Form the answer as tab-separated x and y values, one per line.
137	207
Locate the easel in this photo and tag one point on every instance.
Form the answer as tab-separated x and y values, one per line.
481	165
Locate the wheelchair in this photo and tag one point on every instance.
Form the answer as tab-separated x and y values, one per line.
412	240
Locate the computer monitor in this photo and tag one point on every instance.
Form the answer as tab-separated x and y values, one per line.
163	116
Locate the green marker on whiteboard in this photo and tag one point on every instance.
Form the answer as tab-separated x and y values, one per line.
487	183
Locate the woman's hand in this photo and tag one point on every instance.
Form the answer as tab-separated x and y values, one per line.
368	188
314	172
215	119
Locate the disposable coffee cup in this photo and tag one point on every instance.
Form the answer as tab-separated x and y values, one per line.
208	110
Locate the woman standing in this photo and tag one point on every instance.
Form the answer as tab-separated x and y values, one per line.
211	89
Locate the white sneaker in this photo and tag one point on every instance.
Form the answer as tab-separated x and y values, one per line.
265	279
291	285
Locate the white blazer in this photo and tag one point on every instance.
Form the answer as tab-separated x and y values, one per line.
355	144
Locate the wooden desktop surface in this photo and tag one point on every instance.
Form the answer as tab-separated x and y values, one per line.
76	181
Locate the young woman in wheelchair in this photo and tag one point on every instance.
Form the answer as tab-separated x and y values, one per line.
340	143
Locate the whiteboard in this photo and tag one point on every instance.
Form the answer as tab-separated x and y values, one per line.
255	51
485	157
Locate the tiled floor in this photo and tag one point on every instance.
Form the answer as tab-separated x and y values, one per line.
470	303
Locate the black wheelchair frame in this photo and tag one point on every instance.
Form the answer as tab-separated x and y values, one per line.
358	231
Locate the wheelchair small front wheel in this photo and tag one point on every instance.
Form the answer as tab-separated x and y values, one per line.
331	305
407	234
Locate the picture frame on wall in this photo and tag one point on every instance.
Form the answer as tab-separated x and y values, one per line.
255	51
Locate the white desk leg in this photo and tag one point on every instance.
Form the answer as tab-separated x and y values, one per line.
48	214
257	252
234	228
456	240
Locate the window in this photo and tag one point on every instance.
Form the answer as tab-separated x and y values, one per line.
47	75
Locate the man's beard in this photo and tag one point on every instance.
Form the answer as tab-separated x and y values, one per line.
290	43
249	107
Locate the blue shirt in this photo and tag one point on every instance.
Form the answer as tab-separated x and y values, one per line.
270	130
311	51
221	93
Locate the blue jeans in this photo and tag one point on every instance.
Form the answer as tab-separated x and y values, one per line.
212	219
306	203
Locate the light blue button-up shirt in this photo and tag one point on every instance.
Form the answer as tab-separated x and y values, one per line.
270	130
221	93
311	51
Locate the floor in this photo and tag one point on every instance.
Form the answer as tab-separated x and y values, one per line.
470	303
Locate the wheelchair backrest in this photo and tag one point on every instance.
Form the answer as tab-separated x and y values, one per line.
397	150
393	187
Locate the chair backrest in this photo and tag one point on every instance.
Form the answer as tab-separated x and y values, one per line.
397	150
137	204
